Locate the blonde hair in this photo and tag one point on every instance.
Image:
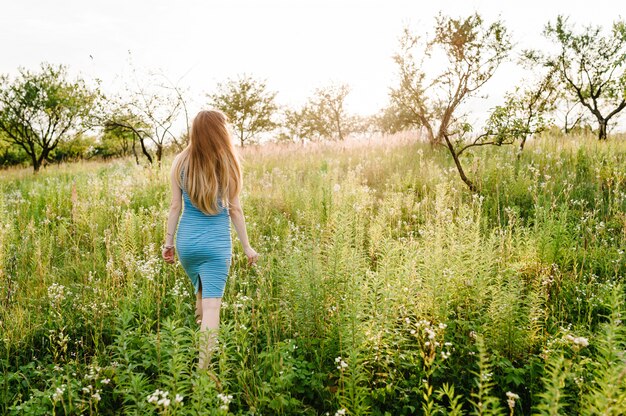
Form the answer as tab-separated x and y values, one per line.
210	165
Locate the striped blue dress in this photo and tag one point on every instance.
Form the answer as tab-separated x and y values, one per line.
204	247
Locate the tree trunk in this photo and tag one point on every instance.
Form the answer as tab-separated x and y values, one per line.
135	150
602	129
457	162
144	150
338	123
36	164
520	149
241	140
159	154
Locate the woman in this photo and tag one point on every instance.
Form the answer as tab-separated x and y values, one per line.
206	176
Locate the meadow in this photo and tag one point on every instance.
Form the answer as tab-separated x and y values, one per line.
384	286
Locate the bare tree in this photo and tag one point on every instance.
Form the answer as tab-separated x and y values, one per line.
149	110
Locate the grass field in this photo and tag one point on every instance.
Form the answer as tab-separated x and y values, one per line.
384	286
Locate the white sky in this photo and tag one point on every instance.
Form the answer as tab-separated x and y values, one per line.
296	45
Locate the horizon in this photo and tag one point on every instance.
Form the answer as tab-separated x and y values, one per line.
295	46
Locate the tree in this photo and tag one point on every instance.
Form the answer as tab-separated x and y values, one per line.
394	119
149	109
469	53
592	67
117	142
248	104
529	105
327	111
297	125
39	110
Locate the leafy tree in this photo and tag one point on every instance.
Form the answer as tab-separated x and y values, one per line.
297	125
39	110
117	142
123	117
327	112
248	104
468	51
78	147
527	108
10	154
394	119
592	67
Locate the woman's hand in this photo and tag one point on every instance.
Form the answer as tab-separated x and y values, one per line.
168	254
252	255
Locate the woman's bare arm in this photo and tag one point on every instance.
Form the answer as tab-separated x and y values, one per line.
239	222
172	219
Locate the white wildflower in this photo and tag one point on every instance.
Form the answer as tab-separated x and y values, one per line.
511	399
56	294
341	364
58	393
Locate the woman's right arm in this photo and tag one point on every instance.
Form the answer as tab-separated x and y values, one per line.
172	219
239	222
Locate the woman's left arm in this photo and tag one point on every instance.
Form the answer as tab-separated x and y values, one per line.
172	219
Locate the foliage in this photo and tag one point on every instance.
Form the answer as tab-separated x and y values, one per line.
249	106
467	50
39	110
592	67
146	111
383	287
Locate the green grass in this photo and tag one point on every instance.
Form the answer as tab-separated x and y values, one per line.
384	286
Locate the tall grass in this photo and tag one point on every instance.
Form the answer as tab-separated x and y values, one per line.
384	286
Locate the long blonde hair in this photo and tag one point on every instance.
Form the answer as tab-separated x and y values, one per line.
210	164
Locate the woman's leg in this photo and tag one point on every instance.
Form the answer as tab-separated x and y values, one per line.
209	327
199	306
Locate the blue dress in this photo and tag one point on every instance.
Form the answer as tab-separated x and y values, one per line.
204	247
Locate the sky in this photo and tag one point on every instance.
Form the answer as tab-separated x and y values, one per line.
296	46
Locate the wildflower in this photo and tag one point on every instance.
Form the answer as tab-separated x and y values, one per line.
340	412
106	381
96	396
341	363
56	294
582	341
336	188
445	354
578	341
178	398
511	399
430	332
162	401
226	399
58	394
